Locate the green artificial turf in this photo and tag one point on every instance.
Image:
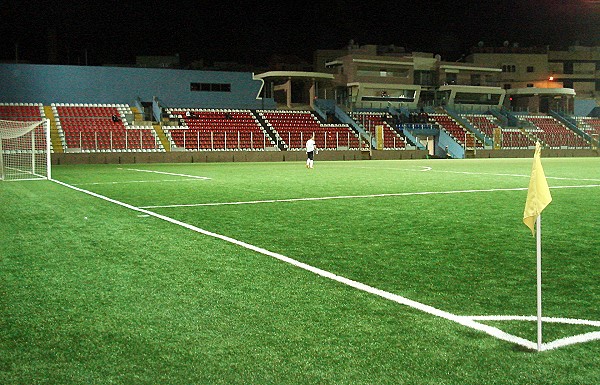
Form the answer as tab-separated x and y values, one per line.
92	292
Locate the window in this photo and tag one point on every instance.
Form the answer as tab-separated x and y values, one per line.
509	68
210	87
568	67
529	68
476	98
451	78
507	86
381	72
423	78
397	96
530	85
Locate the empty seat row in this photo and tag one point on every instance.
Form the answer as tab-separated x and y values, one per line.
294	128
214	129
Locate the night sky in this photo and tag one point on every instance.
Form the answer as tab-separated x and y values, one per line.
251	32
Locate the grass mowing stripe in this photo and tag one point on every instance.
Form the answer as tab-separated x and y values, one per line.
462	320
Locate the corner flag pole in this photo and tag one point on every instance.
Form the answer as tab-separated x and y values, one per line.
539	282
538	197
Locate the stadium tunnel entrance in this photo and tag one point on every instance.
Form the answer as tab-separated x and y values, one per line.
437	143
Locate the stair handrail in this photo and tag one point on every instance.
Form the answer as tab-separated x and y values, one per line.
466	124
570	123
406	131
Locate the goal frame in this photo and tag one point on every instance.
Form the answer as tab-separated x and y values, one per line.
35	152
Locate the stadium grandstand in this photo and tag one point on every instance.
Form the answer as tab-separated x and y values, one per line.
359	103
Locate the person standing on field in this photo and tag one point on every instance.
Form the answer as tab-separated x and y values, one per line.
310	151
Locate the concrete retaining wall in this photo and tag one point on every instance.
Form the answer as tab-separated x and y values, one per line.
285	156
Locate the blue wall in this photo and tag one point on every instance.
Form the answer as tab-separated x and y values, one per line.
584	107
31	83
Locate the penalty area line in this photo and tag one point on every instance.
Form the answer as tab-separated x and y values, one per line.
167	173
462	320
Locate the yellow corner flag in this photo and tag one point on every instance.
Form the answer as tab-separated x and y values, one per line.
538	195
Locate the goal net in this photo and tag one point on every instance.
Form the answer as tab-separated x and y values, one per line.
24	150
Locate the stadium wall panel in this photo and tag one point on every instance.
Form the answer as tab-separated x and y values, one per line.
548	153
227	156
286	156
33	83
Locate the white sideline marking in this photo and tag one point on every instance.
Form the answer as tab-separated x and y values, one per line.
571	321
462	320
24	180
561	342
427	168
356	197
168	173
134	181
517	175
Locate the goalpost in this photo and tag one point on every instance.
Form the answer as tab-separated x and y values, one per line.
24	150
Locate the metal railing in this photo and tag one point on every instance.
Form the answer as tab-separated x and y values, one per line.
196	140
130	140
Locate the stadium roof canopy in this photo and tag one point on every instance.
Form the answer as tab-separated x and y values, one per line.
294	75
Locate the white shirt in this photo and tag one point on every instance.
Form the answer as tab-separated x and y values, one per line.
310	145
